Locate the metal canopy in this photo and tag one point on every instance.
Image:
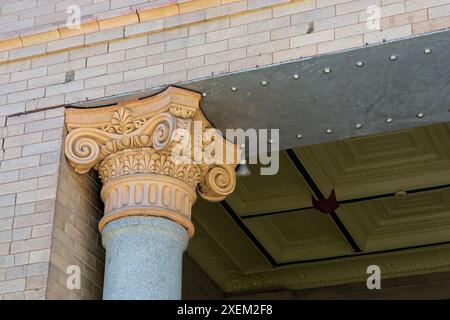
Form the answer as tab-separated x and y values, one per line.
401	81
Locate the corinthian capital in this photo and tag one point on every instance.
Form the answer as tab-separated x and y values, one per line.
152	154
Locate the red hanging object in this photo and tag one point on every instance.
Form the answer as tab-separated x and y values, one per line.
326	205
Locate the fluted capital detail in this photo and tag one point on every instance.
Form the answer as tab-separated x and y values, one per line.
165	135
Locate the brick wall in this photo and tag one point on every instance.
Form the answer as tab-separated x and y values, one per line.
29	157
24	15
198	42
75	239
48	214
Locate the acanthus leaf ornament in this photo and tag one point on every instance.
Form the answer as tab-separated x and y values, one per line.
122	122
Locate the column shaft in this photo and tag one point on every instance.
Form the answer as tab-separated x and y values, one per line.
143	258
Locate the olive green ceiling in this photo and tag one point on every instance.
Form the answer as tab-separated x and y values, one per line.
266	235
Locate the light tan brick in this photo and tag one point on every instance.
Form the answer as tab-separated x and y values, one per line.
128	44
413	5
388	34
228	55
39	294
257	4
167	56
21	140
6	261
404	19
39	148
291	31
90	72
119	20
33	219
268	47
207	48
313	15
166	78
32	171
36	282
125	87
40	256
226	9
21	234
269	24
15	130
184	18
336	22
40	268
144	27
103	80
317	37
9	176
52	134
143	72
65	43
250	17
168	35
15	6
144	51
13	87
207	71
438	12
26	95
6	224
105	58
149	13
184	64
28	74
41	194
340	44
249	40
63	88
355	6
75	54
46	81
12	286
352	30
385	11
209	25
124	65
21	259
292	8
106	35
84	95
18	186
15	66
67	66
431	25
28	51
185	42
42	230
197	5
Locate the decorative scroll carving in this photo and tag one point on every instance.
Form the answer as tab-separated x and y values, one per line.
218	182
138	139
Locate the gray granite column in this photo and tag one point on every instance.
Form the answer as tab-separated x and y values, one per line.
143	258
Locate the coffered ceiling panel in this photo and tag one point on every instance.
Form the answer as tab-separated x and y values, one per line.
259	194
391	223
394	195
221	228
299	236
385	163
